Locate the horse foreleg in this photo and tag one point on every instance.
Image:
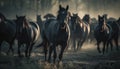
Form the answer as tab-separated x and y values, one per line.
107	46
54	55
98	48
63	46
50	52
30	49
104	43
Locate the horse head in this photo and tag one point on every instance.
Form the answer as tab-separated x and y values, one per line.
75	21
21	23
102	22
62	16
86	18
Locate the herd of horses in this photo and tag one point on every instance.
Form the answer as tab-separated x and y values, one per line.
63	30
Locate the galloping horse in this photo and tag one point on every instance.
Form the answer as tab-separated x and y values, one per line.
114	34
27	33
7	31
79	31
102	32
56	32
87	20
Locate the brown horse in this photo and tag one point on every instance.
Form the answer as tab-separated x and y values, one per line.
79	31
28	33
102	32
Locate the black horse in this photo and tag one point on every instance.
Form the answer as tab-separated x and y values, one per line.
56	32
114	34
28	33
7	31
102	32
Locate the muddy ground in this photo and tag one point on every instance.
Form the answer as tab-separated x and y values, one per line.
86	58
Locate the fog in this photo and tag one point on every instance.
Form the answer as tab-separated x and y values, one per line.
31	8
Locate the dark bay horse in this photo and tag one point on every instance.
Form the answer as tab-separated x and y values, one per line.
102	32
7	31
86	19
28	33
79	31
56	32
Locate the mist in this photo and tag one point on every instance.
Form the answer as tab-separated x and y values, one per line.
31	8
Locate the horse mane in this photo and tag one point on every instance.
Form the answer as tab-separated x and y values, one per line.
26	23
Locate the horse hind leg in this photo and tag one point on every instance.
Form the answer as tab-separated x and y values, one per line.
19	53
10	48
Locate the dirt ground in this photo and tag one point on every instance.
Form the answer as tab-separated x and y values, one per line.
86	58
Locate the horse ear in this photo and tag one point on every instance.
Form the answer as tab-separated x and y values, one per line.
98	16
67	7
60	6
